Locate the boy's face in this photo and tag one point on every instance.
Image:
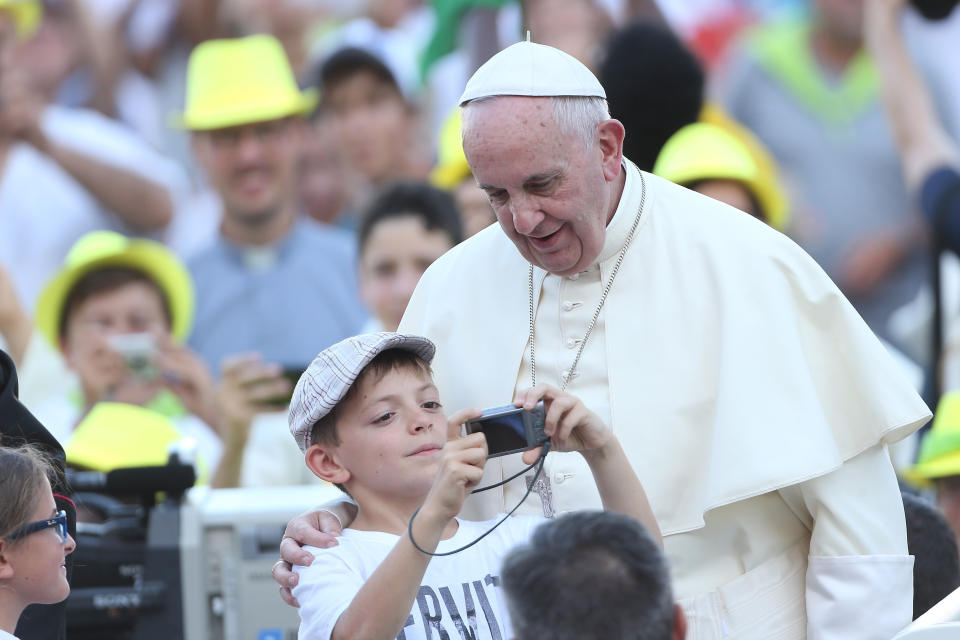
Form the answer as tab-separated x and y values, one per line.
391	433
397	252
371	122
135	307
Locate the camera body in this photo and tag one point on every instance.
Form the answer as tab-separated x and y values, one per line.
138	351
510	429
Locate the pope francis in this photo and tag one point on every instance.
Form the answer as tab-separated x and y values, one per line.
753	402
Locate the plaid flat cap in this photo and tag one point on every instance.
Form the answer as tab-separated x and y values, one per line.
335	369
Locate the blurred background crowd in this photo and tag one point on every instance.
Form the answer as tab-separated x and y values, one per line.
188	214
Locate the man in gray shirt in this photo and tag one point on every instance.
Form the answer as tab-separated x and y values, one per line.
275	287
809	92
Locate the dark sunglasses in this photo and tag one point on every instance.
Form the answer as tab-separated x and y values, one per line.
59	521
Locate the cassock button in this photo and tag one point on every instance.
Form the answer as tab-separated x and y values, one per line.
572	342
559	477
575	276
570	306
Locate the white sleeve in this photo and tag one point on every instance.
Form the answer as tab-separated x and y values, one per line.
859	581
325	590
88	132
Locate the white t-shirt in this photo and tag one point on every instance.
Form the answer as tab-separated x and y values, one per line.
458	591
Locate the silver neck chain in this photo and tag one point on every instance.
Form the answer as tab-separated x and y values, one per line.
596	314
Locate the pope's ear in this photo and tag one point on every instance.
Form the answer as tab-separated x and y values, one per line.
323	461
610	134
6	569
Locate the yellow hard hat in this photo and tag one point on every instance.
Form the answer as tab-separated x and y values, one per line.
239	81
703	151
26	15
768	188
940	448
100	249
452	167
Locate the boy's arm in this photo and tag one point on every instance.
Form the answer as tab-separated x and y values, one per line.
620	488
381	607
573	427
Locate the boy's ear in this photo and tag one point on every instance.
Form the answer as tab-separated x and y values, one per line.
6	568
323	461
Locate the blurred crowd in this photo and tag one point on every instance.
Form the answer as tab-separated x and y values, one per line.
197	196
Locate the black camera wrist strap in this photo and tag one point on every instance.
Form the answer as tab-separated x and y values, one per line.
538	464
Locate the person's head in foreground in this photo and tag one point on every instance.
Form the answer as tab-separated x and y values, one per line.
551	166
116	304
591	575
938	463
407	227
726	165
931	542
246	116
368	417
34	542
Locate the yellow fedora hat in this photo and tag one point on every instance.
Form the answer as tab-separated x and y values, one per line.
108	249
26	15
706	151
239	81
940	448
452	167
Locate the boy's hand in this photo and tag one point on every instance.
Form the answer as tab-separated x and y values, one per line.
461	468
570	425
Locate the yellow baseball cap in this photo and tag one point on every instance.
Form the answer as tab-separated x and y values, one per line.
238	81
706	151
452	167
26	15
940	448
100	249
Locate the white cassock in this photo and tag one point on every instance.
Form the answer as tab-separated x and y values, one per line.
753	402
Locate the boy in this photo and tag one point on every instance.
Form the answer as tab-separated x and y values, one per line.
373	123
117	312
407	227
368	417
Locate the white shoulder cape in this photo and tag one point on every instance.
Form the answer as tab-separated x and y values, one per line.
736	367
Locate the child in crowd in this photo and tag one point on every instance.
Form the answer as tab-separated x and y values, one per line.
118	312
373	123
34	542
369	419
407	227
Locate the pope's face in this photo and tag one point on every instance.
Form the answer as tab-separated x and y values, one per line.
551	193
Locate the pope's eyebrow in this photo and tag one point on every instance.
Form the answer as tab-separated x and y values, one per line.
540	178
535	179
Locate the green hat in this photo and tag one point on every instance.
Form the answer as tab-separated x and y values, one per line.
239	81
26	15
100	249
940	448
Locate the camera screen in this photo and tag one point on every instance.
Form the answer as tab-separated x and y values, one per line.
504	433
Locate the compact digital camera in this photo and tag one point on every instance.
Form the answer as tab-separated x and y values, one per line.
510	429
138	351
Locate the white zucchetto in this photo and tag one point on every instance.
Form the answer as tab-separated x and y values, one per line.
530	69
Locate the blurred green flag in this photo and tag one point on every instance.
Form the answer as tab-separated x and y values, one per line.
444	40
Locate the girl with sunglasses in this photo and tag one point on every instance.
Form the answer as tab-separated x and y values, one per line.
34	542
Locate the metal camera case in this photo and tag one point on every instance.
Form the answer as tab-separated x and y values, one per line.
533	424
